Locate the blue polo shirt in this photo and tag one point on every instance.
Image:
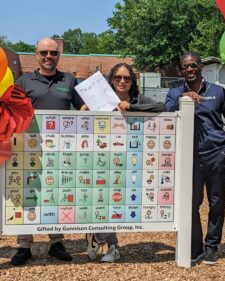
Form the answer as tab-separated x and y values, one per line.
209	136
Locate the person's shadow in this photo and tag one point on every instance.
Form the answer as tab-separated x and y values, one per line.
145	252
221	250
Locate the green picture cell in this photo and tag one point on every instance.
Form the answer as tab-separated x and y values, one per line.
50	160
117	196
50	179
32	179
100	178
84	160
118	161
84	178
101	160
84	196
100	214
49	197
100	196
67	196
67	160
32	197
118	178
83	214
36	124
67	178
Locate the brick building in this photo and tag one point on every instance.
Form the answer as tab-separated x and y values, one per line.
82	66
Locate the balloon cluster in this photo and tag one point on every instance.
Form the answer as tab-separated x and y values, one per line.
6	76
221	6
16	111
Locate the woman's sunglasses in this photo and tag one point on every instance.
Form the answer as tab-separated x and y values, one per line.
118	78
52	53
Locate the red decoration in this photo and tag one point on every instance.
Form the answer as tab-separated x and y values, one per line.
221	6
16	113
5	151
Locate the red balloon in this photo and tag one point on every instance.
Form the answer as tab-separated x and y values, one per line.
221	6
3	63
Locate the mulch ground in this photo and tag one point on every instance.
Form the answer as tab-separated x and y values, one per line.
145	256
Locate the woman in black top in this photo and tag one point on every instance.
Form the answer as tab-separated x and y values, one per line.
123	81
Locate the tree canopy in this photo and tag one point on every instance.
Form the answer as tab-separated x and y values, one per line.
159	32
155	32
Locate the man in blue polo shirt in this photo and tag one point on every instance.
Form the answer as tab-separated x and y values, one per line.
49	89
209	154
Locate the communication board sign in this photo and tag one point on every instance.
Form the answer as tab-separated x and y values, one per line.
78	172
78	169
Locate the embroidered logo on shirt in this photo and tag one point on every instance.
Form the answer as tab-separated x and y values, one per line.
63	89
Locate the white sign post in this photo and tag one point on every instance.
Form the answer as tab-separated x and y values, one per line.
184	181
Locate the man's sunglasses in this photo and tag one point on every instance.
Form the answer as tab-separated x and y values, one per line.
118	78
192	65
52	53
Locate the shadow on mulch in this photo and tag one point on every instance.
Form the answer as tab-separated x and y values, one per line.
130	253
147	253
222	250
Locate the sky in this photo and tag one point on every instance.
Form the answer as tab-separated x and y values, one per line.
28	20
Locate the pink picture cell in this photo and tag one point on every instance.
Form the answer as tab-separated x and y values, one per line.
66	214
165	196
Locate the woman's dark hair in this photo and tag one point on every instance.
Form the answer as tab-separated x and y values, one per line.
134	91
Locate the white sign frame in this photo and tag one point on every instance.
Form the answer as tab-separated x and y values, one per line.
182	196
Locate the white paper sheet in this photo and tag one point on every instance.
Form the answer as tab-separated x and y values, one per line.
97	93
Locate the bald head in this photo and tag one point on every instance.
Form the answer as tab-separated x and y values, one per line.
46	43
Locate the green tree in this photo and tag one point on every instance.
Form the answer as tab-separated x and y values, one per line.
76	42
4	42
158	32
16	47
21	47
89	43
206	36
56	36
106	43
72	41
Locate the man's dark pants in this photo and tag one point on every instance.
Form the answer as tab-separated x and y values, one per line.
210	173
